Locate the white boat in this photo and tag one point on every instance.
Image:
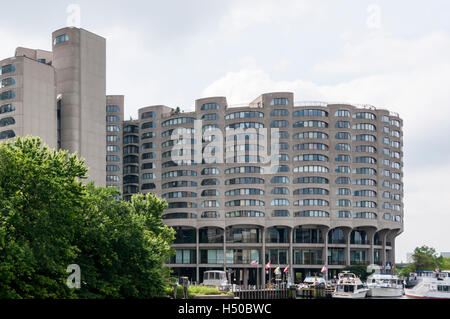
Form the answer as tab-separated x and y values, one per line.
215	278
437	287
350	286
384	285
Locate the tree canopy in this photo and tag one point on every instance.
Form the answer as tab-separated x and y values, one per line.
50	218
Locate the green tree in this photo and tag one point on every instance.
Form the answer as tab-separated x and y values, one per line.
425	258
50	219
40	194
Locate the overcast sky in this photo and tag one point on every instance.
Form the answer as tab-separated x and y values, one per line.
385	53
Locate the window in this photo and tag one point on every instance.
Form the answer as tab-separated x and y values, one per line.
112	108
7	134
148	114
210	181
279	202
7	95
148	125
342	158
112	128
310	135
311	146
112	168
112	138
210	192
279	180
280	191
112	158
209	106
310	113
112	118
148	135
311	157
244	213
112	178
343	147
210	117
148	145
7	82
342	113
311	202
311	213
112	148
310	169
244	202
311	191
281	213
279	123
342	124
312	123
244	114
244	125
279	112
342	136
7	69
365	115
311	180
342	169
364	126
150	155
210	171
343	214
279	101
7	108
60	39
177	121
245	180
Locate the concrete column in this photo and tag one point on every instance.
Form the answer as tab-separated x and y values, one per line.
263	254
197	255
291	255
325	251
383	252
347	247
371	235
225	249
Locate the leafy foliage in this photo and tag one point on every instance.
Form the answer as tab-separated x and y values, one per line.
49	219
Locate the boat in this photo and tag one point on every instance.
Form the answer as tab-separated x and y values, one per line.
216	278
384	285
437	287
350	286
415	277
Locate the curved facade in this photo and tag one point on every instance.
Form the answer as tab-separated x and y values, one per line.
326	188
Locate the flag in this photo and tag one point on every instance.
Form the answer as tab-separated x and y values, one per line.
388	266
254	262
324	268
286	269
268	265
277	271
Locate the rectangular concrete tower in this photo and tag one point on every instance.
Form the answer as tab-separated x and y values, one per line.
79	58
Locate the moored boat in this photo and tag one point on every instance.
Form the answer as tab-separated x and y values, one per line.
384	285
349	286
437	287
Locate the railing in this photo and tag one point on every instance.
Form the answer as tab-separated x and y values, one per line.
310	103
264	292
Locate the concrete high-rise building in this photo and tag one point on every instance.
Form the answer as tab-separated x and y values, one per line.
60	96
28	96
114	141
334	196
79	58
